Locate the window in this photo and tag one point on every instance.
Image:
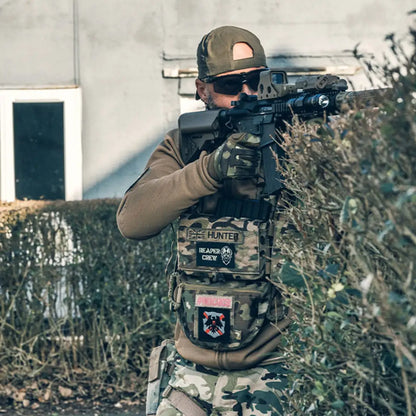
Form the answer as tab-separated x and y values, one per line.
40	144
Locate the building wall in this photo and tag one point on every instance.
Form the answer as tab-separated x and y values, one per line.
134	60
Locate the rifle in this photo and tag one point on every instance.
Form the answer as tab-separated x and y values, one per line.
263	114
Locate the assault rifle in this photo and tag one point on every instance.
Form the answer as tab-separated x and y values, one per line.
262	115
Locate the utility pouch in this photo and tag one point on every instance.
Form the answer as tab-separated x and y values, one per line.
223	316
240	248
160	368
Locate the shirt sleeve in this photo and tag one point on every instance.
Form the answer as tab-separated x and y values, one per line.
166	188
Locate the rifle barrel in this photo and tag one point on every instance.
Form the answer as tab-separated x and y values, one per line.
364	98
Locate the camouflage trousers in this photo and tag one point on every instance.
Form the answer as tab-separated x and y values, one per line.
252	392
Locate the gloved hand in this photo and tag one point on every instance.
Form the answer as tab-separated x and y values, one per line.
237	158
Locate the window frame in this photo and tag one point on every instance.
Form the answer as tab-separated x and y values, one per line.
72	99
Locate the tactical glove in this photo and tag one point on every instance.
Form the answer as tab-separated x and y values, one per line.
237	158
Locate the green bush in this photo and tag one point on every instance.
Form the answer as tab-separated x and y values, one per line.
348	252
80	306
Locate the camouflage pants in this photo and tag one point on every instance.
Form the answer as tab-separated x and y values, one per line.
253	392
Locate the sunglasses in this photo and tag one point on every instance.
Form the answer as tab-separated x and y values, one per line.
233	84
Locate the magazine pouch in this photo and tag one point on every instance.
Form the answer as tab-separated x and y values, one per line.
161	364
225	316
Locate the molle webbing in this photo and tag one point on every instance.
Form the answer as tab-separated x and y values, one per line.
253	209
185	404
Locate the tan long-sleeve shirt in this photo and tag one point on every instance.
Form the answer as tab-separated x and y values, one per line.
165	190
168	187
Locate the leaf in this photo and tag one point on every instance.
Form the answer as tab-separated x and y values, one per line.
341	298
319	386
332	268
333	314
344	323
387	187
337	404
290	276
19	395
330	271
395	297
353	292
65	392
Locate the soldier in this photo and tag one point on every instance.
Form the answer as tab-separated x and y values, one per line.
225	359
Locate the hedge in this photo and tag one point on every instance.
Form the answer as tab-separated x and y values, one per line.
80	306
348	251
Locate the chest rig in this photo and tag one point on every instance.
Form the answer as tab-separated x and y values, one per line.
220	289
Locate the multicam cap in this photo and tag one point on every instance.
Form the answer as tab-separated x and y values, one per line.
215	51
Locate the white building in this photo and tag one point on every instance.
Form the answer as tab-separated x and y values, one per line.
89	87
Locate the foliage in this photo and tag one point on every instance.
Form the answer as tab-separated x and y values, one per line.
80	306
348	252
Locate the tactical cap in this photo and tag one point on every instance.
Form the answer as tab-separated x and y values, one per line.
215	51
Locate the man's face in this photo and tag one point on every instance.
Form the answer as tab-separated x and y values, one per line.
215	99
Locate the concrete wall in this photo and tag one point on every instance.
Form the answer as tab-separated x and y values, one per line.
134	60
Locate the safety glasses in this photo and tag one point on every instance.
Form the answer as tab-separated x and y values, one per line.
233	84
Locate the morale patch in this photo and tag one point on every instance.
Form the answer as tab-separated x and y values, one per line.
214	301
215	255
214	324
223	236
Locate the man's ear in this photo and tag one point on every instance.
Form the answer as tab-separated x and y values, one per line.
201	89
